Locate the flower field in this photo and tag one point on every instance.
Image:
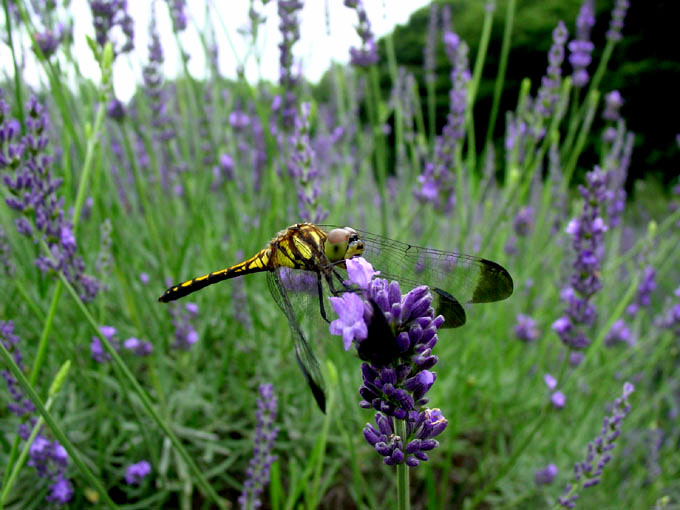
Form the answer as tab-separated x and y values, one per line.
502	316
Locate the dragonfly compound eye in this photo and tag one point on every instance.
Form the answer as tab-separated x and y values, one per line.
336	244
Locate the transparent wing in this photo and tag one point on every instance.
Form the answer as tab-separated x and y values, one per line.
301	287
466	278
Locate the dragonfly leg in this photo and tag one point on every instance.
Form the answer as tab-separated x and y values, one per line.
319	287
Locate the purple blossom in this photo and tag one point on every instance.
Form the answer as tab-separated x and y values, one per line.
139	347
548	93
524	221
97	349
558	399
587	231
550	381
32	191
115	110
367	54
613	102
618	334
588	472
547	475
257	474
49	458
429	53
616	23
671	317
303	168
581	48
109	14
401	332
48	40
135	473
437	179
5	254
178	14
643	297
185	333
351	325
289	74
526	329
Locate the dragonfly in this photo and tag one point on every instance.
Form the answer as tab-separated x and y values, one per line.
305	262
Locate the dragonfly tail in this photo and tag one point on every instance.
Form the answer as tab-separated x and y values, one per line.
254	264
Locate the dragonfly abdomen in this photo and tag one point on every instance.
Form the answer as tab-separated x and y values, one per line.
255	264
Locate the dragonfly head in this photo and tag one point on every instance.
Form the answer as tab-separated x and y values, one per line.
343	243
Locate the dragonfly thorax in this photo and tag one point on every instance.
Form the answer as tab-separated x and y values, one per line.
343	243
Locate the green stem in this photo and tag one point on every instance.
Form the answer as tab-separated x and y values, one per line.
403	497
511	461
92	141
17	74
54	427
500	78
374	105
145	398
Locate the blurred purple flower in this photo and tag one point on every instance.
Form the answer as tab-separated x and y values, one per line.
546	476
289	74
139	347
178	14
49	458
429	53
115	110
643	298
185	333
588	473
257	474
550	381
613	103
558	399
135	473
367	54
670	319
526	329
144	278
524	221
32	191
619	333
616	23
97	349
587	231
304	169
548	93
48	40
5	255
108	14
581	48
437	180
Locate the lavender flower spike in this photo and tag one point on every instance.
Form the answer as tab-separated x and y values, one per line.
257	474
32	192
587	231
588	472
49	458
367	54
135	473
581	48
396	336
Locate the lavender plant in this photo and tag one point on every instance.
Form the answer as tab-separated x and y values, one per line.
394	335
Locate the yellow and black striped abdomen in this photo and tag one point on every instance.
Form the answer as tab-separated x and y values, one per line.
255	264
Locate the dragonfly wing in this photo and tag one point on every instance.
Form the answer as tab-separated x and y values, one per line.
470	279
278	282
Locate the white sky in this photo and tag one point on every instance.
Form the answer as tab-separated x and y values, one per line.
316	49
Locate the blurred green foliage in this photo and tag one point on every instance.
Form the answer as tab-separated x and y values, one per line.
644	68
